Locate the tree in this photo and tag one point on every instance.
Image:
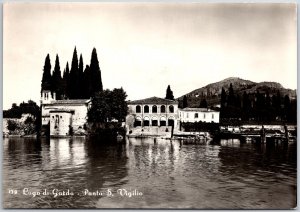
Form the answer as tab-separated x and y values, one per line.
66	79
80	77
96	81
246	106
268	100
108	105
169	93
100	109
238	101
223	98
203	103
57	86
87	85
287	107
118	104
185	103
12	125
46	80
231	99
74	77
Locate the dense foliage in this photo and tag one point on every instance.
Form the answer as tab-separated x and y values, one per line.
257	107
24	108
108	105
16	111
77	83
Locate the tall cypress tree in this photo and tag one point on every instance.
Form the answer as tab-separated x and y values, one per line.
46	80
80	77
223	98
57	80
87	85
67	81
185	102
74	77
64	84
96	81
231	99
287	107
169	93
246	106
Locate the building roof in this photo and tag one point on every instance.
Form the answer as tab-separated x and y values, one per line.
69	101
153	100
189	109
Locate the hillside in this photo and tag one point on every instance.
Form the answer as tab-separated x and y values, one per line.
212	92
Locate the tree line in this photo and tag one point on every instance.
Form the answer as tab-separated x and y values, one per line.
30	107
77	82
258	106
16	111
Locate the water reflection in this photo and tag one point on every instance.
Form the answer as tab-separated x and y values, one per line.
168	173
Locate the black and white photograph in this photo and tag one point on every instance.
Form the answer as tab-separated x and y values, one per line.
148	105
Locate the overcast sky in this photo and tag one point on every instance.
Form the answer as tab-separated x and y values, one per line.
144	47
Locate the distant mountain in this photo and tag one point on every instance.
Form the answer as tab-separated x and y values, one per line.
212	92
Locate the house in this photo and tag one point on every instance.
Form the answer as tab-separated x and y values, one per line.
152	115
64	117
157	116
199	114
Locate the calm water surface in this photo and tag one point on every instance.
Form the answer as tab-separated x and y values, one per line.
168	174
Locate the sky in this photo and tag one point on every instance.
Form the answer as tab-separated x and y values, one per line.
144	47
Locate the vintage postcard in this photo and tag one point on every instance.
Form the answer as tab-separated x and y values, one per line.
149	105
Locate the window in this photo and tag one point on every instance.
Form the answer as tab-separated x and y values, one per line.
146	109
146	122
138	109
170	122
154	109
61	117
163	121
212	116
138	122
163	109
204	115
171	109
187	115
154	122
196	115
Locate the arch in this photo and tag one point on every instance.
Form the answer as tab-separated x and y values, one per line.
154	109
138	109
162	109
163	121
146	121
171	109
146	109
138	121
154	121
171	121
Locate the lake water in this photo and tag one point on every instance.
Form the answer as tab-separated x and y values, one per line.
159	174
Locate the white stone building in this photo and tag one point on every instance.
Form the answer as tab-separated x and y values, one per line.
155	116
199	114
152	115
64	117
